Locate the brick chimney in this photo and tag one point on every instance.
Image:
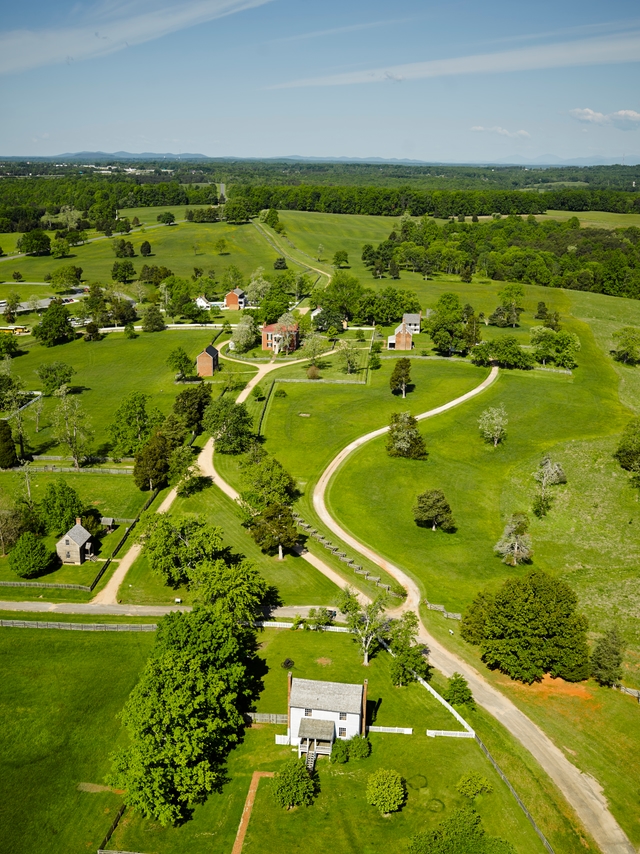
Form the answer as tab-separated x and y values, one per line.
78	520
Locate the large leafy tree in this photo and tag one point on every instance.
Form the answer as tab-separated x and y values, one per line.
460	833
175	547
191	403
60	507
433	510
404	438
531	627
179	360
410	658
151	463
70	425
514	545
627	345
493	424
8	456
386	790
30	556
53	375
274	529
293	786
400	376
445	325
230	424
628	450
606	658
55	326
368	622
186	713
265	481
133	423
237	587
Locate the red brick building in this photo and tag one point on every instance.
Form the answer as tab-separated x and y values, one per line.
278	338
207	362
235	300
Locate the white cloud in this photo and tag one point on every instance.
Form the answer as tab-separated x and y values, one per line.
516	134
109	27
623	119
605	50
351	28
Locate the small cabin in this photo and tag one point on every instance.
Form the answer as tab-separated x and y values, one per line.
76	546
207	362
402	338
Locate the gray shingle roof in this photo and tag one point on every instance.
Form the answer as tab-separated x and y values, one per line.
314	728
326	696
411	318
238	291
78	534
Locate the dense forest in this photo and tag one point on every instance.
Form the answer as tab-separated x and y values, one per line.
291	172
551	253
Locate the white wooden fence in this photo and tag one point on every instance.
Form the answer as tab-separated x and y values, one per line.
397	729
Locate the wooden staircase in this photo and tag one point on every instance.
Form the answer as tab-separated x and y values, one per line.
311	761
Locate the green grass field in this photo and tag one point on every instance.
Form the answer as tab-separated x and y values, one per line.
108	370
431	767
61	692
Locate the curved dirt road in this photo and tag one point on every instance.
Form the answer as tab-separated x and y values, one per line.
582	792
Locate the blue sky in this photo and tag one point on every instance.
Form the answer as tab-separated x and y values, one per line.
460	81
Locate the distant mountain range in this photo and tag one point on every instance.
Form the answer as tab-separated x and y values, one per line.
151	156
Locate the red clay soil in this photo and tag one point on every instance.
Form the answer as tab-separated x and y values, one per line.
550	687
246	812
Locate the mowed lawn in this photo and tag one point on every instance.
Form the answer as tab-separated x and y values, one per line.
431	767
106	371
180	247
296	581
61	692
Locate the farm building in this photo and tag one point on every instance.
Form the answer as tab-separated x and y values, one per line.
235	299
412	322
76	545
207	362
320	712
277	338
402	339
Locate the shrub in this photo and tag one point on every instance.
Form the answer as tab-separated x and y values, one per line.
340	752
280	393
313	373
359	747
473	784
29	556
386	790
458	692
293	786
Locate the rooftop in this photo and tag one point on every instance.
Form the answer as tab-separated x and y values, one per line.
78	534
210	350
326	696
314	728
411	318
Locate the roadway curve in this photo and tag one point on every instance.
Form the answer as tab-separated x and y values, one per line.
582	792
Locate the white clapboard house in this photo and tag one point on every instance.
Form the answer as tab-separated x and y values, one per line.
320	712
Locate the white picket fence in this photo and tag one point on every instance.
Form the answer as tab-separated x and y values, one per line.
283	739
396	729
274	624
451	733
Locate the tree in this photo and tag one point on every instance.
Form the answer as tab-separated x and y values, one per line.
61	506
220	246
92	332
230	425
531	627
53	375
34	242
235	210
349	355
245	335
543	340
70	426
274	529
13	401
293	786
401	376
404	439
12	303
445	324
319	251
123	248
191	403
432	508
265	481
145	249
460	833
628	450
122	271
340	258
151	463
179	360
314	346
505	351
367	621
280	263
30	556
386	790
511	297
186	713
166	217
66	278
11	527
472	784
153	319
55	326
8	456
175	548
239	588
627	345
493	424
515	544
457	692
8	346
59	248
133	423
410	659
606	658
548	474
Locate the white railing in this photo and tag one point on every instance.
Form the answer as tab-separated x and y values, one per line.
397	729
450	733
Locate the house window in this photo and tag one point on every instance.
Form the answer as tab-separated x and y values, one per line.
66	542
343	716
68	555
342	732
308	713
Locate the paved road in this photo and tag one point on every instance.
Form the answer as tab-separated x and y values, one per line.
582	792
38	607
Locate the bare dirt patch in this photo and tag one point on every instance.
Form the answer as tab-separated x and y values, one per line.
550	687
92	787
324	662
